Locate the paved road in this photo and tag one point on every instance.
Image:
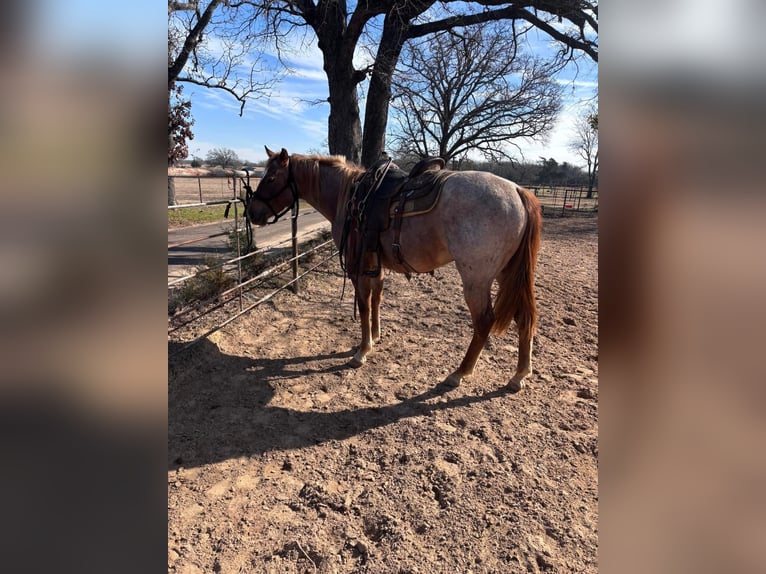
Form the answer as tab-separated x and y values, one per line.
183	259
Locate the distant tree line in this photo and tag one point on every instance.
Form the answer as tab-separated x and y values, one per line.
220	157
547	171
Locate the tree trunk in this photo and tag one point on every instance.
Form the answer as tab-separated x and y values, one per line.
379	92
344	129
171	180
592	167
375	120
171	191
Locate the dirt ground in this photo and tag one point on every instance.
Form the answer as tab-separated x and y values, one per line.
281	459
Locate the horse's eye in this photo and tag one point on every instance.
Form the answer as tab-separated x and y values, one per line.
271	179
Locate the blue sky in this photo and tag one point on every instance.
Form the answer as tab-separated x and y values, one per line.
133	31
289	119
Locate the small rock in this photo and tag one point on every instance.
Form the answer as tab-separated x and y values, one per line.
585	393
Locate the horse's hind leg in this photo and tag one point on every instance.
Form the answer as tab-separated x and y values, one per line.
523	367
478	298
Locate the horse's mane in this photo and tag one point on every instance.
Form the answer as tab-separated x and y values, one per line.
347	168
346	171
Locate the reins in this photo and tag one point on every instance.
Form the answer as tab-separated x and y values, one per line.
356	209
249	193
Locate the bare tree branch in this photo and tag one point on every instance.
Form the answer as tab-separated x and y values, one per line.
472	91
516	11
240	97
585	143
218	48
192	40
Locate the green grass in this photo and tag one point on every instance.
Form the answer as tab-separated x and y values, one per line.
209	214
201	287
195	215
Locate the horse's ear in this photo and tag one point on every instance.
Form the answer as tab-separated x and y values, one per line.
283	156
269	152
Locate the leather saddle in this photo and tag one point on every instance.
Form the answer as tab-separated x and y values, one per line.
383	197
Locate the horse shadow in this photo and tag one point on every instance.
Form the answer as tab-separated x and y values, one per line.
220	406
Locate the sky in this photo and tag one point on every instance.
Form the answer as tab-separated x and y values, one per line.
288	118
291	119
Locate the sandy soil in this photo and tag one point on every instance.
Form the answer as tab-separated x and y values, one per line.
280	459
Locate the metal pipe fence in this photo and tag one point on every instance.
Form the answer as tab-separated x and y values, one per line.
235	285
565	200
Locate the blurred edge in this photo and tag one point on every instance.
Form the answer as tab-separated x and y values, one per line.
683	274
83	401
683	277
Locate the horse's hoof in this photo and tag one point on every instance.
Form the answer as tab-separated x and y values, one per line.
356	362
453	380
516	385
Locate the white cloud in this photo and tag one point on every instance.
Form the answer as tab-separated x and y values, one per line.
558	140
582	84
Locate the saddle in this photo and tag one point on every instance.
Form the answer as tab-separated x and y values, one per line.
382	198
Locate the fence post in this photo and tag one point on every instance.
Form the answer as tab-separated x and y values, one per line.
239	249
295	251
564	204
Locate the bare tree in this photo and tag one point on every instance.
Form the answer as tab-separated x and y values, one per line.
212	45
222	156
547	15
473	91
585	144
388	25
239	25
217	45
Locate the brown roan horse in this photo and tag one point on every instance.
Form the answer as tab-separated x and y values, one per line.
489	226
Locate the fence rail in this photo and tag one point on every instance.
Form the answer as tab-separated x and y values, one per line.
203	186
563	200
233	291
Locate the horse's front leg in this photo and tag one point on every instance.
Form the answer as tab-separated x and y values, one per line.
377	296
363	290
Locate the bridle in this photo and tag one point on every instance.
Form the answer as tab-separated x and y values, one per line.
267	200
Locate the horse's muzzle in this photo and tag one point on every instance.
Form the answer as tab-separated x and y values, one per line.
258	214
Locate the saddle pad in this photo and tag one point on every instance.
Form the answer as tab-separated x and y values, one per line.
422	193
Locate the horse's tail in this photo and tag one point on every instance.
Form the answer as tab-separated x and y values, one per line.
516	296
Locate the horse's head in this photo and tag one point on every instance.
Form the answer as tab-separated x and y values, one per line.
276	193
